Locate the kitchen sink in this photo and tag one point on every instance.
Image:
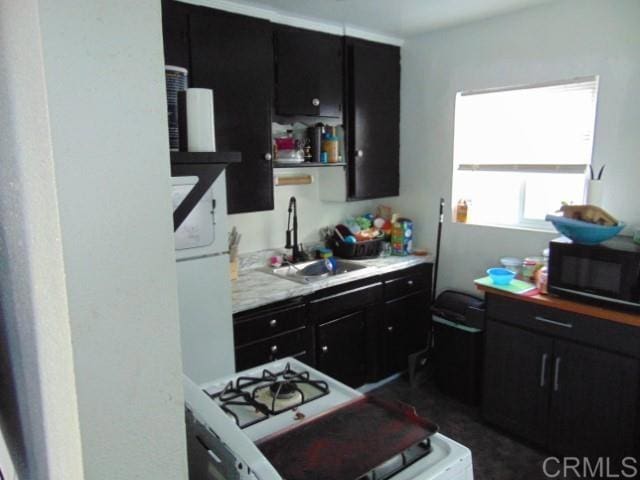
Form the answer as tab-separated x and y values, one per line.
307	272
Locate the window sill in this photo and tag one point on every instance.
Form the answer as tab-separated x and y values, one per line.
524	228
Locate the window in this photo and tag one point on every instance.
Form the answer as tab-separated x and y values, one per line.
520	152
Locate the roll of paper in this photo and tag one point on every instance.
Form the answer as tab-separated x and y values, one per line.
200	122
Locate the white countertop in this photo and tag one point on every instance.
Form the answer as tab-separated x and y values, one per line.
255	288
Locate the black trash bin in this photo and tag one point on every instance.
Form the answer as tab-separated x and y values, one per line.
458	331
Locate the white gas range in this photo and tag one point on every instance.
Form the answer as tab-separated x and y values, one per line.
285	419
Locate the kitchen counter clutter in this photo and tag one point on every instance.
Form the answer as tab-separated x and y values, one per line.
255	288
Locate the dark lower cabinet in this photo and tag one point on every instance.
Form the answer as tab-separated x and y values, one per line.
358	332
594	402
341	348
233	55
567	382
403	331
373	119
516	380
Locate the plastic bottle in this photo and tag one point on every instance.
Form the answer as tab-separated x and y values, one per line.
461	211
330	145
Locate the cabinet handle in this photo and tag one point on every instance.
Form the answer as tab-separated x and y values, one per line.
315	102
553	322
390	328
274	348
359	153
543	369
273	323
267	157
324	349
410	283
556	375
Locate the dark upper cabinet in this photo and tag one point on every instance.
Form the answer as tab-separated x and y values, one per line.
309	74
232	55
175	31
373	119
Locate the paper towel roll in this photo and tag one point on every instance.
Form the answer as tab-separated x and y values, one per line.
200	123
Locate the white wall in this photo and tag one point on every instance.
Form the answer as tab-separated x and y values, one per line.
262	230
104	70
38	405
560	40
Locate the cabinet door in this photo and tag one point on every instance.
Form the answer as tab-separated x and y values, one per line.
233	55
517	371
594	402
341	347
404	330
373	120
175	32
308	72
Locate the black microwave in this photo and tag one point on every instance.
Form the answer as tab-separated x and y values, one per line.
607	274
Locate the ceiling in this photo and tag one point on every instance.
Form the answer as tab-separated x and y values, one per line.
401	18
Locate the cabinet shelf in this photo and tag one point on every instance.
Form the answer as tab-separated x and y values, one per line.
308	164
207	166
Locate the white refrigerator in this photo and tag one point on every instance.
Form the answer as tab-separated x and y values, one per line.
204	285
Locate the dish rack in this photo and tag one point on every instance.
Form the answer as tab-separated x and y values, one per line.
362	249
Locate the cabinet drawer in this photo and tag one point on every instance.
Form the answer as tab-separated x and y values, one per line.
344	302
251	329
292	344
405	285
600	333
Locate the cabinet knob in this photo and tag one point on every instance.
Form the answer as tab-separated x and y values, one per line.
359	153
390	328
315	102
273	323
325	349
410	283
267	157
274	348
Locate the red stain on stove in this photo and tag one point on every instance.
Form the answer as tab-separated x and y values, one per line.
348	442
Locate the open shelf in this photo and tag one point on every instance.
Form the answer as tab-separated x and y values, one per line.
308	164
207	166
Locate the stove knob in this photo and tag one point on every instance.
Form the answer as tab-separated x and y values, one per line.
273	323
274	348
325	349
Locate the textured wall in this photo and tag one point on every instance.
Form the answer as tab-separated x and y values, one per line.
105	81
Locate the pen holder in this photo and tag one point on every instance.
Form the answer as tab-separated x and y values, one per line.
594	195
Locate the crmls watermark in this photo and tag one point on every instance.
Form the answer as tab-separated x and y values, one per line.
590	468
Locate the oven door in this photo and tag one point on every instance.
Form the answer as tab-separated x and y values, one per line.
597	273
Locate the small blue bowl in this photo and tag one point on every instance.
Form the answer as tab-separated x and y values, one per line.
501	276
584	232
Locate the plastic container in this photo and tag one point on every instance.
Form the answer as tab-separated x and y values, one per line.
512	264
402	237
501	276
330	146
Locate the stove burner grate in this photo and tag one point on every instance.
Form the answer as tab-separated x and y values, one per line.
252	399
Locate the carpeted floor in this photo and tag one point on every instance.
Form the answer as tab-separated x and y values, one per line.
495	455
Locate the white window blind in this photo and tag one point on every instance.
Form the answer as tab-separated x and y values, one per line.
521	152
542	128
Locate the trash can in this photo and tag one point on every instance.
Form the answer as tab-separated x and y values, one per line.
458	331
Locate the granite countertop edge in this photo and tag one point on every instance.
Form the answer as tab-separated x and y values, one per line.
255	288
